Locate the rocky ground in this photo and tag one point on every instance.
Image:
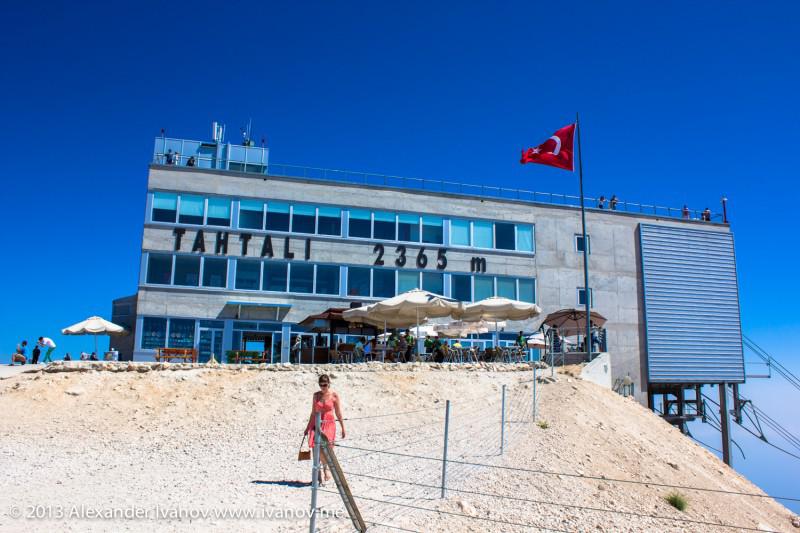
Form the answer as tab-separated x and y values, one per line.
159	447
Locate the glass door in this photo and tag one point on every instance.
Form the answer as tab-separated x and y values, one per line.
210	342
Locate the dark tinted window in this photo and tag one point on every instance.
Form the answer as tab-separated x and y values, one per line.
247	274
164	207
433	282
251	214
187	270
159	269
301	278
432	230
327	279
504	236
154	333
384	226
275	276
329	221
382	282
360	224
215	272
357	281
278	216
461	288
303	219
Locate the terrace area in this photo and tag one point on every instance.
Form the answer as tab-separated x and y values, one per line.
255	160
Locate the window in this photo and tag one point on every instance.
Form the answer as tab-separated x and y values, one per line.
507	288
482	234
524	238
327	279
461	288
181	333
159	269
329	221
433	282
191	211
358	281
579	243
484	287
219	212
301	278
527	290
432	230
251	214
407	281
303	219
408	228
382	282
504	236
384	226
248	273
278	216
275	276
165	207
582	296
215	272
187	270
154	333
360	222
459	232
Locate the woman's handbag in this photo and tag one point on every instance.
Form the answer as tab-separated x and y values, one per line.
303	455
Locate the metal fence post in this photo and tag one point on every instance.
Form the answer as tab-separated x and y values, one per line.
534	393
503	421
315	472
444	453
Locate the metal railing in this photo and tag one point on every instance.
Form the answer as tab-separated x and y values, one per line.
430	185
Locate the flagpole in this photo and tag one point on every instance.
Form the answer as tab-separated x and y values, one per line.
586	289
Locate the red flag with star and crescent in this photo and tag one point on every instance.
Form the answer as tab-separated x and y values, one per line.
557	151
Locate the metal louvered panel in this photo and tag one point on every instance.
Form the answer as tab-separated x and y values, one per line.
691	303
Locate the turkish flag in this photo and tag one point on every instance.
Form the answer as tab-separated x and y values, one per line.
557	151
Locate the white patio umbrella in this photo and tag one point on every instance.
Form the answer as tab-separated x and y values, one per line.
368	315
94	325
461	328
498	308
418	302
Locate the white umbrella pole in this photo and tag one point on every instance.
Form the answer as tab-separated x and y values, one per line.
95	345
385	342
496	336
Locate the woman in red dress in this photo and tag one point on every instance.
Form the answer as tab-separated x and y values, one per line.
326	402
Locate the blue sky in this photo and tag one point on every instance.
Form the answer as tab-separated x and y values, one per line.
680	103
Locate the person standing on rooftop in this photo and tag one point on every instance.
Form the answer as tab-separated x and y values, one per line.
601	202
613	202
685	212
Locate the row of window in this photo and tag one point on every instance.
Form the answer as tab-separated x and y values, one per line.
310	278
324	220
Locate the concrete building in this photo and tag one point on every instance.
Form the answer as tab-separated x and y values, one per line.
236	251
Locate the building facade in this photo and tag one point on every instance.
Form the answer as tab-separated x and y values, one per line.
235	252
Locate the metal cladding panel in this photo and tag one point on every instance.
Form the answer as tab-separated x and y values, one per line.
691	303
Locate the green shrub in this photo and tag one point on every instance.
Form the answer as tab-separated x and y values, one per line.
543	424
677	500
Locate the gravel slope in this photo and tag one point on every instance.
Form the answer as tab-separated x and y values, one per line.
203	440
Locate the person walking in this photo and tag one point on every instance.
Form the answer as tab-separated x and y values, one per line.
326	402
47	342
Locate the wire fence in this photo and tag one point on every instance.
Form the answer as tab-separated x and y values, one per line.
399	473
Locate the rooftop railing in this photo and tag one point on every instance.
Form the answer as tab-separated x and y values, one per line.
428	185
